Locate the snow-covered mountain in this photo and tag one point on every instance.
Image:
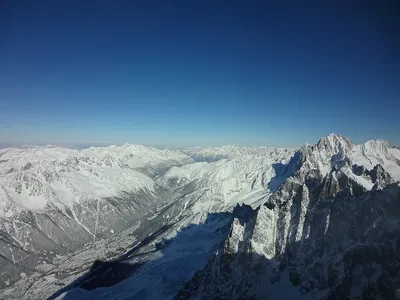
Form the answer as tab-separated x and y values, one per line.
331	231
211	154
245	177
304	214
54	200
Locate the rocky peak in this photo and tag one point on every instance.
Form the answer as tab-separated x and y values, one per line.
240	228
334	143
330	153
243	213
322	245
377	175
380	176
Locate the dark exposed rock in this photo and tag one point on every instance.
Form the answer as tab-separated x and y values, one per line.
359	170
380	176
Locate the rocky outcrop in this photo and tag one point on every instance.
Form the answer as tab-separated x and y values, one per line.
341	246
323	233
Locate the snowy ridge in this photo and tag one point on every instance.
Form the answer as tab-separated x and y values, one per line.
149	160
337	152
319	232
220	185
34	177
211	154
54	200
174	209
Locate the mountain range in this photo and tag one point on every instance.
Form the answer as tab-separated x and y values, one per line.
133	222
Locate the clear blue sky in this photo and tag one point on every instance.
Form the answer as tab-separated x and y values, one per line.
198	72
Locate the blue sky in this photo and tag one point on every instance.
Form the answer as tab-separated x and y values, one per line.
198	72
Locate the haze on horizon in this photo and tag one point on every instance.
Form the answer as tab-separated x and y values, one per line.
205	73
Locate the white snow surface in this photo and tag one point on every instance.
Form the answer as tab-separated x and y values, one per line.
244	177
30	178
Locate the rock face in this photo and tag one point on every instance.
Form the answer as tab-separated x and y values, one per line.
326	233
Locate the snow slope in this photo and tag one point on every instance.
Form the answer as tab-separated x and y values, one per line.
210	154
247	176
54	200
178	209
